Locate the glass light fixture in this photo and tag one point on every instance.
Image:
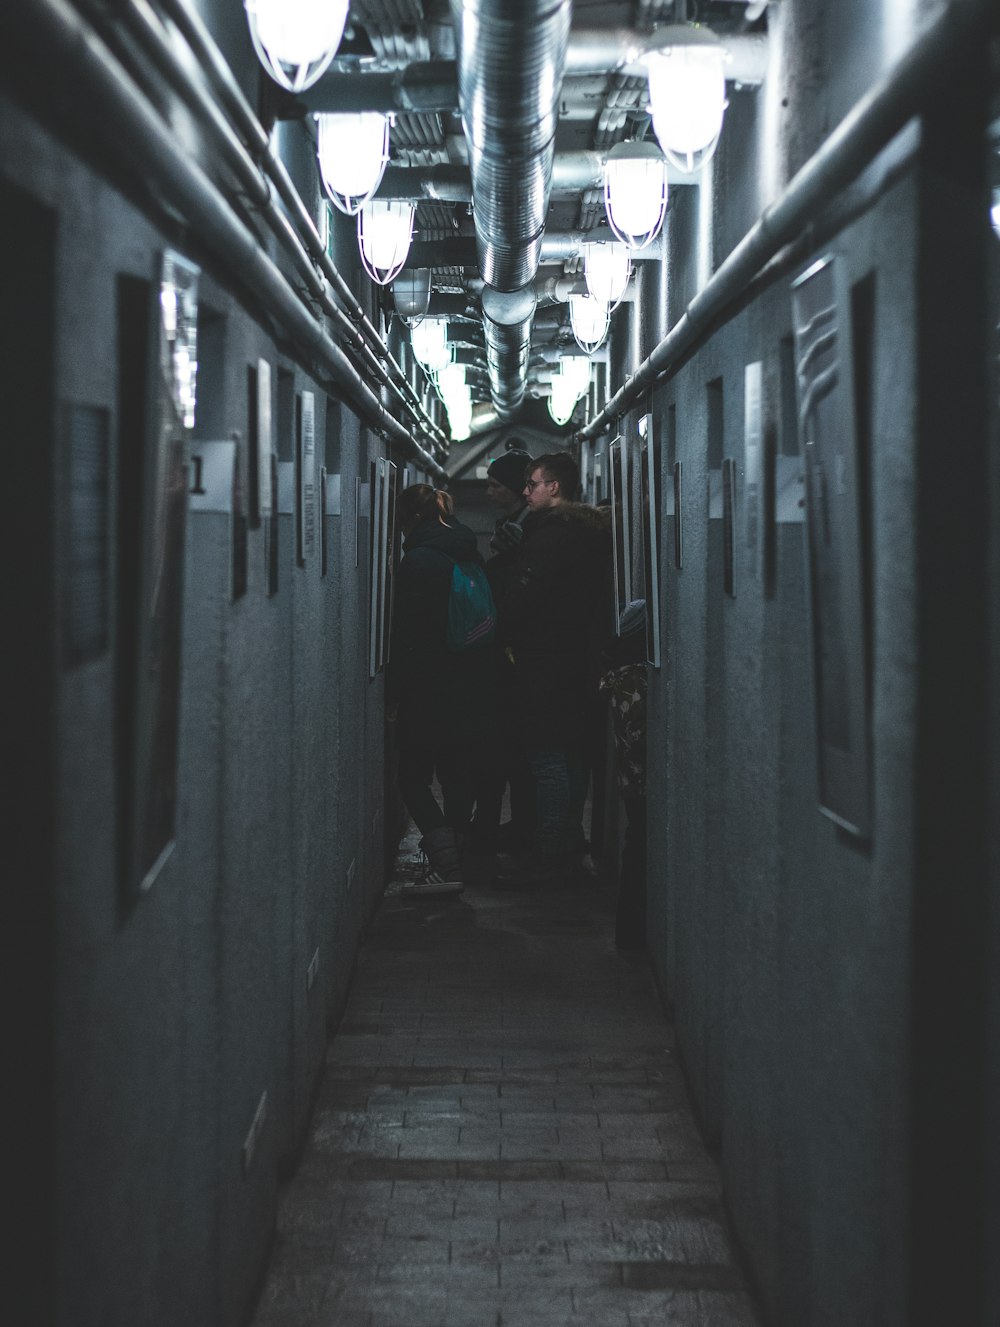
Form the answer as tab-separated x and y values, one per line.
607	268
295	40
635	192
562	401
589	319
429	340
687	95
451	382
459	407
575	369
353	151
384	233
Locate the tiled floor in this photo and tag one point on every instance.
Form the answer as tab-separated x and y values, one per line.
503	1137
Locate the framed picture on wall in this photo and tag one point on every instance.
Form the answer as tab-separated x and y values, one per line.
383	558
652	521
150	675
825	396
618	474
678	515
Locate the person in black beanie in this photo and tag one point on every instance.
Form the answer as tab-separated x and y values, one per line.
504	489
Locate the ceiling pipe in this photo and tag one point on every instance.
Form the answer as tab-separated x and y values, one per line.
603	50
556	247
510	63
507	319
432	85
510	66
572	174
421	88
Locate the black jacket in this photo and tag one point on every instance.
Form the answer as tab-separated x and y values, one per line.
445	699
555	620
505	546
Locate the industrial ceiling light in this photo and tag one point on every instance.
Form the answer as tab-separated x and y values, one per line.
635	192
575	369
687	94
429	341
384	233
353	152
607	268
295	40
451	382
562	401
459	407
589	319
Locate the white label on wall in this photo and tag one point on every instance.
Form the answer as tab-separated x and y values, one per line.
307	478
753	461
265	442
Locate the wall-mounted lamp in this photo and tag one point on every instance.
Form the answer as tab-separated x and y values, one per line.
353	152
589	319
384	233
687	93
635	192
607	268
295	40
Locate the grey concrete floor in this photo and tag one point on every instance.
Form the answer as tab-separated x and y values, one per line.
503	1137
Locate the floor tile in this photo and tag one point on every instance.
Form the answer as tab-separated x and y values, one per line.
497	1143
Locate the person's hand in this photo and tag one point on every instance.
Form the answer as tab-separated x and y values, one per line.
508	536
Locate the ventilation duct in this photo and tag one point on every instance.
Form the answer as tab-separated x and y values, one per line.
507	331
510	66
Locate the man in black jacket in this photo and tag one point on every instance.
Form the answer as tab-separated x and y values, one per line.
554	620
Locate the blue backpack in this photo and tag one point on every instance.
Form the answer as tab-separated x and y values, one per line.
471	611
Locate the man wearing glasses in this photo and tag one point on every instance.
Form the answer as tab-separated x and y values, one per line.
553	622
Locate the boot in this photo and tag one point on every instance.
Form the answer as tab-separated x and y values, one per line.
444	867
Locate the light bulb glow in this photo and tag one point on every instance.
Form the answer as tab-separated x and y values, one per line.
353	151
459	409
429	340
295	40
384	233
687	98
563	399
607	268
635	193
451	382
575	370
589	320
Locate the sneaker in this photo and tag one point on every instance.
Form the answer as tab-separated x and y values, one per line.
431	885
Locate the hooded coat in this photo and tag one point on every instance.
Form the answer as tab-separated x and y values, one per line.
445	699
555	620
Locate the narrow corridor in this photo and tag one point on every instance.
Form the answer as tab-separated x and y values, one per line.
503	1137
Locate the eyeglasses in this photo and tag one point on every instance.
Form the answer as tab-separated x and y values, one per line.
532	484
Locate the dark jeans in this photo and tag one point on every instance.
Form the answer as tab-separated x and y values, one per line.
560	791
464	774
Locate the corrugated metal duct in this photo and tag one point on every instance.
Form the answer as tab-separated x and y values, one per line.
511	55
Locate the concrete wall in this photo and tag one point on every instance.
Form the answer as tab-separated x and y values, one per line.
187	1016
828	994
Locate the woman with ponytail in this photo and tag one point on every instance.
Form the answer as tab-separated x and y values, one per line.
444	699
